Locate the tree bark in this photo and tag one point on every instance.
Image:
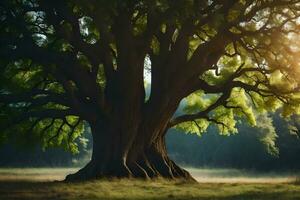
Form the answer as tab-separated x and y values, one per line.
113	157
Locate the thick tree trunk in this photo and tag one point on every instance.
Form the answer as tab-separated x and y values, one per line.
116	156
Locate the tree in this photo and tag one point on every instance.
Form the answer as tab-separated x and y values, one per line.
68	62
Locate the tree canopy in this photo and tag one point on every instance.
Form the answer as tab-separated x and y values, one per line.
65	62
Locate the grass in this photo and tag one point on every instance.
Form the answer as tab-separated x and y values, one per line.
37	184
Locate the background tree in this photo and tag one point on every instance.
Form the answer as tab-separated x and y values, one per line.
65	62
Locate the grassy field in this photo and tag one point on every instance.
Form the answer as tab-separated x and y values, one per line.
38	184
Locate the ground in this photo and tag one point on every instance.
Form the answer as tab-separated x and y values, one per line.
39	184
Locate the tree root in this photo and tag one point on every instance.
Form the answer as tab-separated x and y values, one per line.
144	169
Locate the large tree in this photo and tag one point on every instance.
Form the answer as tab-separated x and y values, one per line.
65	63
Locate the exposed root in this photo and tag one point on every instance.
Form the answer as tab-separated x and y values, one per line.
139	171
154	162
165	168
180	172
86	173
146	165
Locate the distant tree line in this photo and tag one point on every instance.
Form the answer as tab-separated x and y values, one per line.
244	150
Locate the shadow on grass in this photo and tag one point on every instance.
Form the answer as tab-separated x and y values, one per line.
21	190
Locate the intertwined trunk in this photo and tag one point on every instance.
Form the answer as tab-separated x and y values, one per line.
139	153
129	133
